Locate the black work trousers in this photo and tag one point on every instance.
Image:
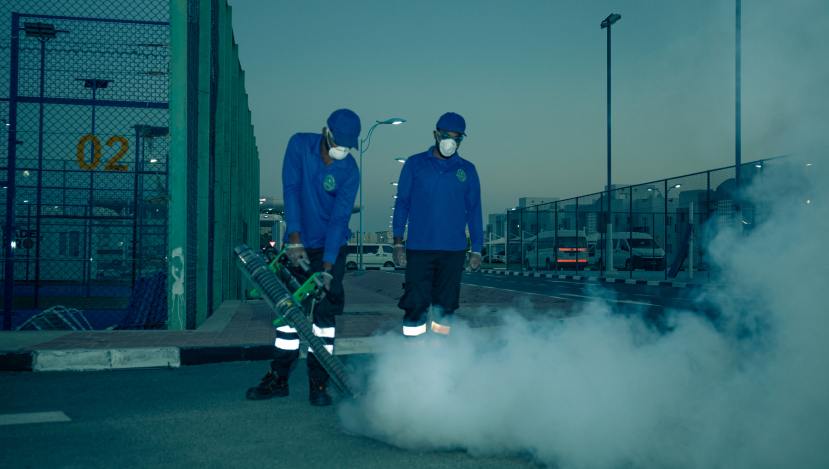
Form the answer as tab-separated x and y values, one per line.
432	278
325	313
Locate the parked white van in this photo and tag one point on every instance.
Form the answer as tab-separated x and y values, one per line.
544	250
646	252
374	256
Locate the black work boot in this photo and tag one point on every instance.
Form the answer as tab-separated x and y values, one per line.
319	392
271	386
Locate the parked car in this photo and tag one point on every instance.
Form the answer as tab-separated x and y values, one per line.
374	256
646	252
496	259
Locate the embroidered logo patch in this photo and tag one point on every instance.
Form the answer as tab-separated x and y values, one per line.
461	175
329	184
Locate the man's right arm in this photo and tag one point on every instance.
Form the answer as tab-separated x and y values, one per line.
292	187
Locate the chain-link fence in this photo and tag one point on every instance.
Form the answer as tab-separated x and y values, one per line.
108	183
654	231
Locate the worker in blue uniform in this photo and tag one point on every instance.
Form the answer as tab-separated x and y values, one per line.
320	181
439	195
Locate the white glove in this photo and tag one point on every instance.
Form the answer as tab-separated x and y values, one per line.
327	277
400	255
475	260
295	252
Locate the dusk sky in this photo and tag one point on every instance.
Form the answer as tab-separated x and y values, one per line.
529	77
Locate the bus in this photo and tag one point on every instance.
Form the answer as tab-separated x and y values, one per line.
565	248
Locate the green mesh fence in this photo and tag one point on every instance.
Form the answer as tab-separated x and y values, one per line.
112	201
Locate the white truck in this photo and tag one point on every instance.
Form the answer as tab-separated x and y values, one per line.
630	251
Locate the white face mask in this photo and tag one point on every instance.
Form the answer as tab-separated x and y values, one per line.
337	153
448	147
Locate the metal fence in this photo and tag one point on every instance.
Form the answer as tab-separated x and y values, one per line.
658	230
127	153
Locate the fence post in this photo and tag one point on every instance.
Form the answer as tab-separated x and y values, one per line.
555	242
11	192
229	72
665	258
630	230
203	186
691	247
233	216
708	212
177	261
577	235
537	235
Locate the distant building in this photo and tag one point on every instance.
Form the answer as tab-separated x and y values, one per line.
385	237
495	223
529	201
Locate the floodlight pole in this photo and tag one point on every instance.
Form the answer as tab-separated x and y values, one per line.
737	123
607	23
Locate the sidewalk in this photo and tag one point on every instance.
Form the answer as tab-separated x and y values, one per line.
240	331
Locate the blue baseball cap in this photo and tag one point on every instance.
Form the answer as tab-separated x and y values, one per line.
451	122
345	125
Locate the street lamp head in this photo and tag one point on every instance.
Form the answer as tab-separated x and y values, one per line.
678	186
394	121
394	184
611	20
402	160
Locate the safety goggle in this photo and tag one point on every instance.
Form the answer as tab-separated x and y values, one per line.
444	136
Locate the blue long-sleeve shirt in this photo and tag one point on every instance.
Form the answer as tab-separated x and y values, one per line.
319	199
439	198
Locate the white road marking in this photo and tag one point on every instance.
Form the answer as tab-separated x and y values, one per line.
612	301
526	293
33	417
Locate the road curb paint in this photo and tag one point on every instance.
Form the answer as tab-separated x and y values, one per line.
600	279
105	359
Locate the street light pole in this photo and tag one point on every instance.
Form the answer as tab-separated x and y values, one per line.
607	23
737	123
367	141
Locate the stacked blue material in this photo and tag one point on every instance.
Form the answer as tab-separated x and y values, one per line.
147	308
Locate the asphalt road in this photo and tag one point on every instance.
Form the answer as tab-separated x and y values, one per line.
191	417
650	301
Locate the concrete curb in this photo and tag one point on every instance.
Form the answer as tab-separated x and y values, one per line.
599	279
148	358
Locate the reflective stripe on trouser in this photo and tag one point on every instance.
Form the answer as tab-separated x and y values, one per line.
414	335
324	316
414	331
286	338
439	329
327	336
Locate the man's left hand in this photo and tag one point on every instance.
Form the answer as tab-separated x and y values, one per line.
475	260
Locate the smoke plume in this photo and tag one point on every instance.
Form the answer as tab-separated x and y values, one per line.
744	386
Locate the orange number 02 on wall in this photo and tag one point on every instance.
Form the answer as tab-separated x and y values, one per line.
96	153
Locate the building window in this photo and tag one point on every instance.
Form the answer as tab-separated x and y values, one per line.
669	221
644	221
670	248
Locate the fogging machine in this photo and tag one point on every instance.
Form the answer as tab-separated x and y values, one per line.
275	281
